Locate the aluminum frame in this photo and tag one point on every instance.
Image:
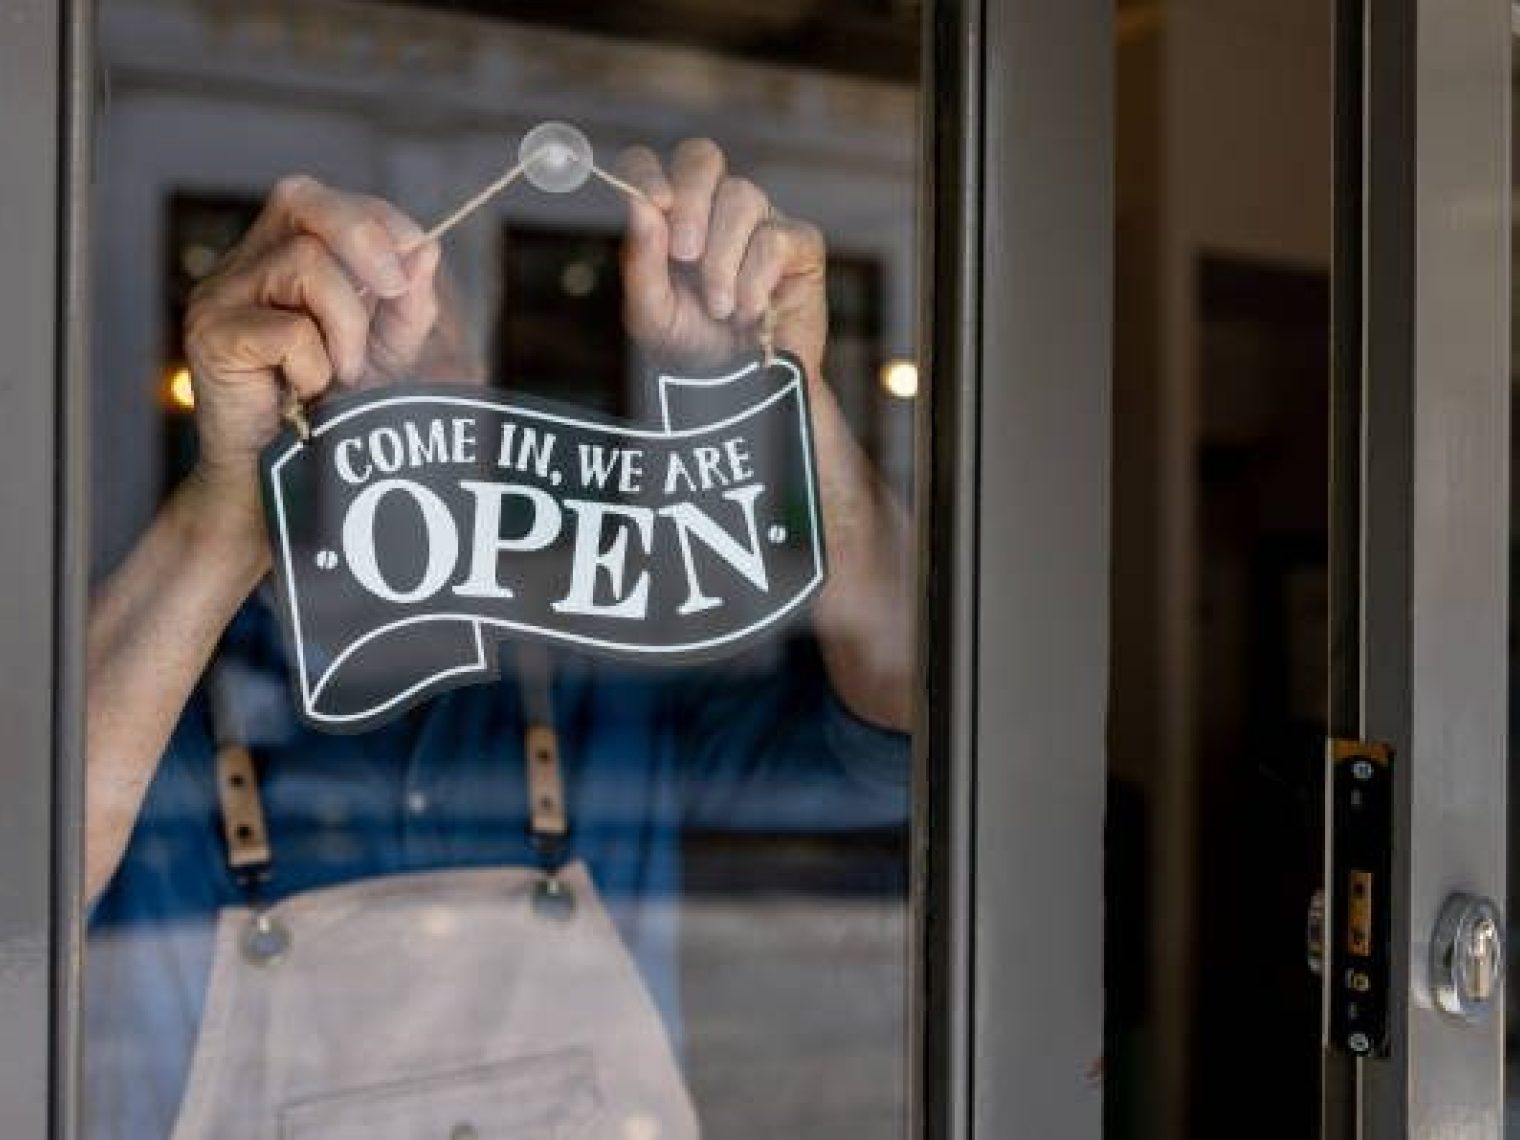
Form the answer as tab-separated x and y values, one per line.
45	85
1421	504
1019	283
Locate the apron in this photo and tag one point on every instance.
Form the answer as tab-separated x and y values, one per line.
479	1004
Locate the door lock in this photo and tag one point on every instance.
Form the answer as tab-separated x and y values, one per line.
1467	957
1357	943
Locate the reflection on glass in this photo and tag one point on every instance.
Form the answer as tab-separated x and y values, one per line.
594	895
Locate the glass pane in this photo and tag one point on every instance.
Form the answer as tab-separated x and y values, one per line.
500	656
1221	543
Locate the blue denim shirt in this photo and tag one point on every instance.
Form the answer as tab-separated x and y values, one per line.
758	743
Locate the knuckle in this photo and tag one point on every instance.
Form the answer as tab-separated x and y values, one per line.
744	193
810	236
369	233
306	337
242	343
305	253
200	328
700	151
199	301
772	241
394	223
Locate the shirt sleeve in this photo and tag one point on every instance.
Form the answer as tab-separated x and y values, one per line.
767	746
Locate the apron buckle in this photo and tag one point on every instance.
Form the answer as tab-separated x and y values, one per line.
265	941
552	899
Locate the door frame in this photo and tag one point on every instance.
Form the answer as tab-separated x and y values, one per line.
46	83
1012	753
1420	506
1007	1003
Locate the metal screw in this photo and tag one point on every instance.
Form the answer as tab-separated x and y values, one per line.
1359	1043
1362	770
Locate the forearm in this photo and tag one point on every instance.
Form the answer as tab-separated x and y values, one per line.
153	626
864	615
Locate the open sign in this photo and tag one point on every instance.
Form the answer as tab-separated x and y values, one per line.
418	525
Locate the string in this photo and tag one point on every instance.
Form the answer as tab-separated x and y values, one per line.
294	412
467	208
627	188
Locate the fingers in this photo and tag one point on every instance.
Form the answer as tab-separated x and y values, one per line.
739	208
779	249
252	342
367	235
696	169
302	274
331	255
648	292
723	223
640	167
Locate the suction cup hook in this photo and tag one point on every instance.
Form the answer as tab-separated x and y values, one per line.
556	157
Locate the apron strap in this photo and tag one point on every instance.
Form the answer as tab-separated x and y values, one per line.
548	821
249	855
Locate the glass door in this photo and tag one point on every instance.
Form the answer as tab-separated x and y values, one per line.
570	591
1420	518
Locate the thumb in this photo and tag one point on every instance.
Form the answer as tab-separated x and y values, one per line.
402	326
649	295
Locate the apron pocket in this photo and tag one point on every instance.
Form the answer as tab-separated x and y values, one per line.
550	1097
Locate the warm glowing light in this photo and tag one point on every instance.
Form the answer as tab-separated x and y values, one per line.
900	378
578	278
178	391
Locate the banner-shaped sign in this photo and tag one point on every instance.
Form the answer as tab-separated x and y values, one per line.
417	525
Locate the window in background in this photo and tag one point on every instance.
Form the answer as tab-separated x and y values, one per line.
199	230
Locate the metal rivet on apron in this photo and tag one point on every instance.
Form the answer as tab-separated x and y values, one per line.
552	899
265	940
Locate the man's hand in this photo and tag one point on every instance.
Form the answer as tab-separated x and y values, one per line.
318	293
700	269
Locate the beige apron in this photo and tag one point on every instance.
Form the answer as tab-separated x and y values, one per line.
483	1004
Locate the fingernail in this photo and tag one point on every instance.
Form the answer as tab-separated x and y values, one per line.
721	304
685	241
392	279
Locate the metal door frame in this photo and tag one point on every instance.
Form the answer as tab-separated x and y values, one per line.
45	84
1018	328
1420	510
1010	758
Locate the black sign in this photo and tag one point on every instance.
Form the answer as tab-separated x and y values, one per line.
417	525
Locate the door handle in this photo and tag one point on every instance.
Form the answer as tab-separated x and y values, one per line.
1467	957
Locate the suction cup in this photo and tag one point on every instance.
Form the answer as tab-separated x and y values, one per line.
556	157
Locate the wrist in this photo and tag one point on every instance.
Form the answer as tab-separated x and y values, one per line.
222	519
